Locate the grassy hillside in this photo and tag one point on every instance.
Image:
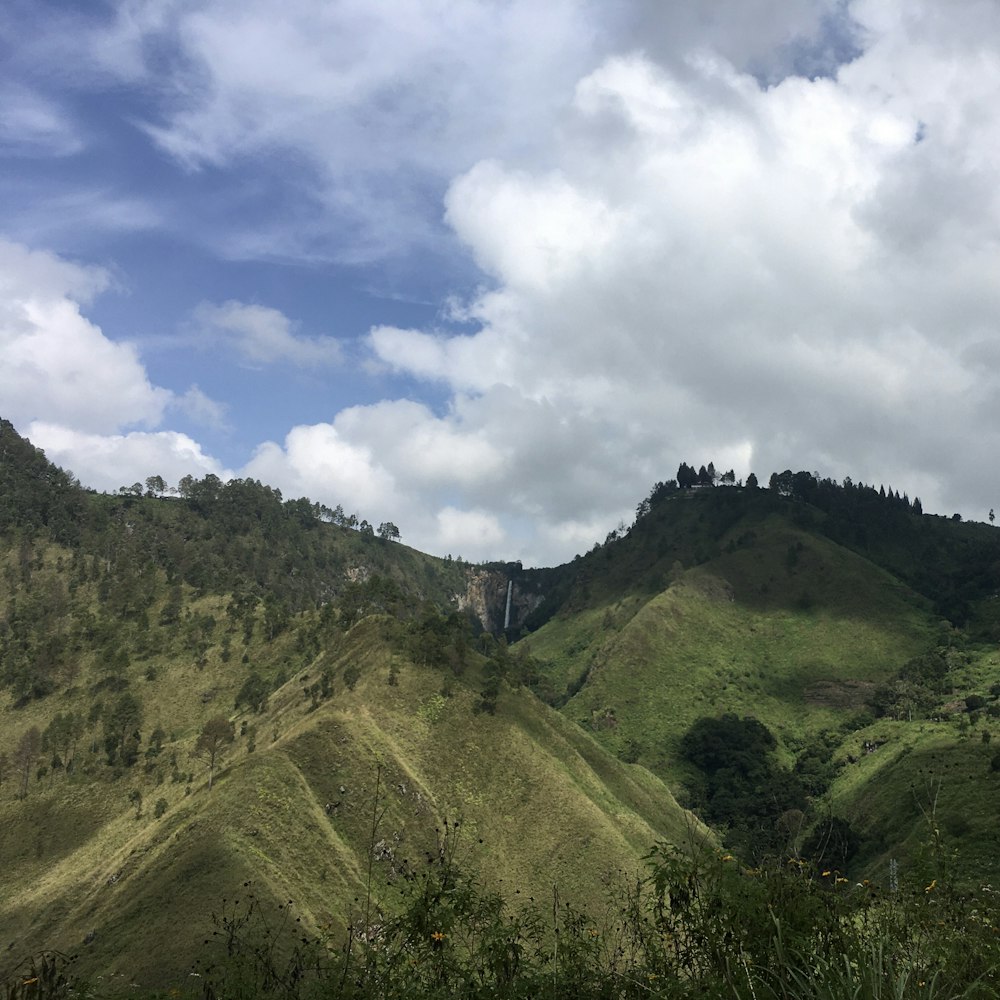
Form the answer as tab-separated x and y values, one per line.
82	859
783	625
727	602
368	708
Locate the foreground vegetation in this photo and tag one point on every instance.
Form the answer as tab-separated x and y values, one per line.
697	925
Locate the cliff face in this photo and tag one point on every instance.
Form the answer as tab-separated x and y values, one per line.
486	595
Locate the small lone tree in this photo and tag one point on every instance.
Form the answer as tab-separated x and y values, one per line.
388	531
25	755
213	741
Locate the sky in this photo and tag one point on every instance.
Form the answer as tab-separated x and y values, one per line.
490	269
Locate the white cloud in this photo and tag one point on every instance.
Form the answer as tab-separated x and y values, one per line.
57	366
109	461
690	253
469	531
802	275
264	335
33	125
202	409
317	462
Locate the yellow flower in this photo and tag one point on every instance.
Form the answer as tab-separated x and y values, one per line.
839	880
438	936
826	873
728	857
932	886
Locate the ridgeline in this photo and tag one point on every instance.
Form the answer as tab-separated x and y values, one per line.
211	685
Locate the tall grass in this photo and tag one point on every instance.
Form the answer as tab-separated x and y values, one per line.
696	925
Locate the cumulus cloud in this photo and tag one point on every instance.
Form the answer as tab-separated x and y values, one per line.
110	461
57	365
263	335
764	234
74	392
750	271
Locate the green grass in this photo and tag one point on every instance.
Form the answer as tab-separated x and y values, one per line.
75	858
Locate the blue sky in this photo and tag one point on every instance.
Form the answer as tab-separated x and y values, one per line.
490	269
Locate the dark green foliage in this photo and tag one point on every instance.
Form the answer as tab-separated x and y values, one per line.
815	767
121	730
36	496
440	640
741	787
831	844
697	926
378	595
254	693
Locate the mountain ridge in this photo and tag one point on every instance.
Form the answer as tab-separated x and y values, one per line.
343	660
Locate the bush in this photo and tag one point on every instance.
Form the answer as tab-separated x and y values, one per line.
699	925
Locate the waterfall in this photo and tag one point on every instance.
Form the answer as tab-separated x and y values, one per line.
506	614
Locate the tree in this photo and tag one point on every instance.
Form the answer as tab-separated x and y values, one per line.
992	516
121	729
155	486
686	476
388	531
213	741
751	482
254	693
25	755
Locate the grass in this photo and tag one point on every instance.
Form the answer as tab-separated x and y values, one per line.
75	858
723	609
733	635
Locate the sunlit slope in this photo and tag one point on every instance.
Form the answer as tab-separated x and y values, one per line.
368	777
926	792
781	624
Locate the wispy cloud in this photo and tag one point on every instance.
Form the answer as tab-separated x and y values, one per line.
35	126
265	336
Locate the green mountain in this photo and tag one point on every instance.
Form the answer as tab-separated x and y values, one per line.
214	685
366	712
819	610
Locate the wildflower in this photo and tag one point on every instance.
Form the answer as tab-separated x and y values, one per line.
840	879
727	857
932	886
438	936
826	874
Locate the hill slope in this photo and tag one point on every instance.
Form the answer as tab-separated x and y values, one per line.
834	652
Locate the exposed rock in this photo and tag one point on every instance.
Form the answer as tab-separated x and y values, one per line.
486	596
